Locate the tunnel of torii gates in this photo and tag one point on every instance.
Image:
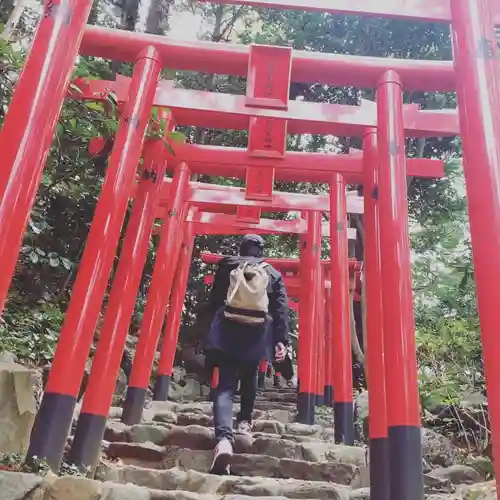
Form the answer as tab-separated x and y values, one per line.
325	353
266	112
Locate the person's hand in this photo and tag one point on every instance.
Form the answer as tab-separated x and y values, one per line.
279	352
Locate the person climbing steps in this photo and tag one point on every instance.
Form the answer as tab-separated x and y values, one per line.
249	309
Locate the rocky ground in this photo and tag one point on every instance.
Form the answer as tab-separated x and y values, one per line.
168	455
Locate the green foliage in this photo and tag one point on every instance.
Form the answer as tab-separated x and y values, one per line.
16	462
448	356
69	469
31	337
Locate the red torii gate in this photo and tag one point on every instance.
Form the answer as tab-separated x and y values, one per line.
282	265
289	269
228	199
210	223
151	323
29	127
151	320
265	175
324	364
206	223
217	110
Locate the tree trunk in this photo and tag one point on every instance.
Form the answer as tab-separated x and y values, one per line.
201	132
13	20
157	20
130	14
356	346
6	8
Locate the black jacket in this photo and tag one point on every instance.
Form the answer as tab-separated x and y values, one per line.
247	342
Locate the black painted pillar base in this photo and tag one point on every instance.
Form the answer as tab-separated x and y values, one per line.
51	429
306	408
261	379
328	396
161	388
133	405
211	394
320	400
86	448
343	414
379	469
405	459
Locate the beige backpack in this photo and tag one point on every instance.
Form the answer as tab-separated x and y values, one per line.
247	300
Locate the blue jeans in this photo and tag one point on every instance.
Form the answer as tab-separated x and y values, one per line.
232	371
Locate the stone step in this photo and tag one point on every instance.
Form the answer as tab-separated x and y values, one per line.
206	408
284	414
273	403
270	397
290	442
193	481
201	438
438	482
159	457
282	390
201	414
275	397
17	485
296	430
293	429
260	404
185	419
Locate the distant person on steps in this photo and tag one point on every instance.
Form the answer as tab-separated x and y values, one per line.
250	322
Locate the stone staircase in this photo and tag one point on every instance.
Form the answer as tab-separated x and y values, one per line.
168	456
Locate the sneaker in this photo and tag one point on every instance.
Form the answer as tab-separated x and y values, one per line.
244	428
222	458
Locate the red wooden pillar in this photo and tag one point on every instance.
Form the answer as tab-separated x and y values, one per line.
91	425
341	314
320	386
28	129
403	409
328	396
51	428
476	61
310	272
379	454
174	316
158	298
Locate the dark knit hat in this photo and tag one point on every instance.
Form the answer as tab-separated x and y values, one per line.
252	239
